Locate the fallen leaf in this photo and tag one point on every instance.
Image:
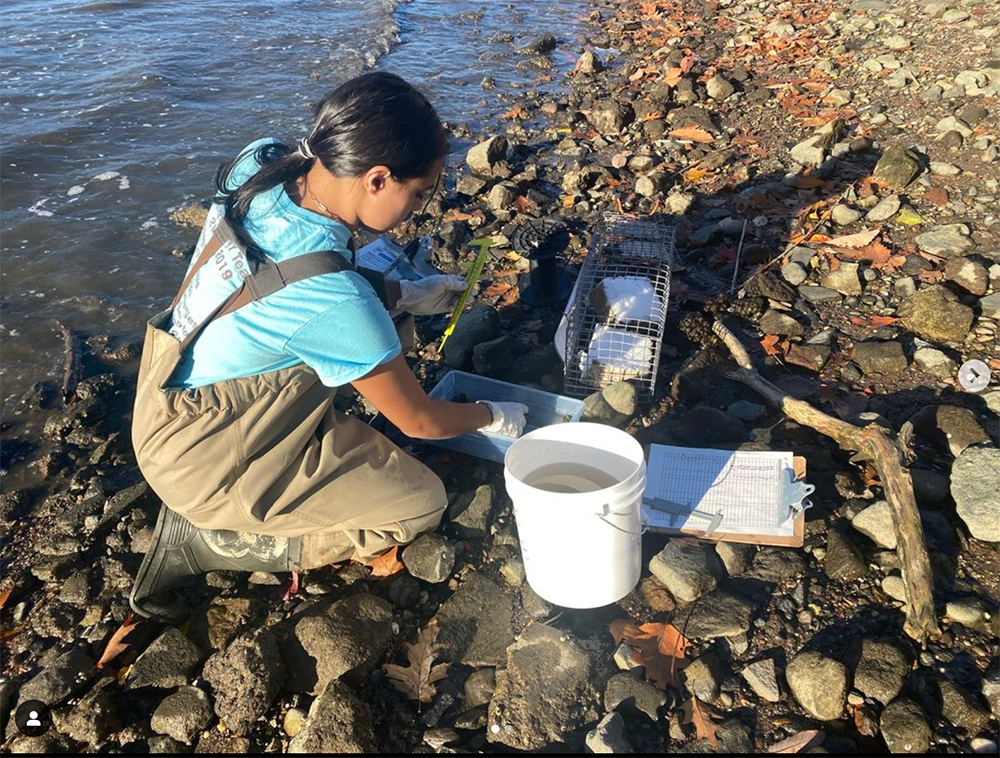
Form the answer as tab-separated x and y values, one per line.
386	564
694	174
808	182
797	743
516	112
115	646
495	290
909	217
511	296
770	344
692	133
876	322
673	76
701	716
568	201
6	634
522	203
938	196
123	674
876	253
857	240
3	597
416	680
660	648
931	277
454	214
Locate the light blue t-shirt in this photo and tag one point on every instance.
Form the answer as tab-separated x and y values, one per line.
333	323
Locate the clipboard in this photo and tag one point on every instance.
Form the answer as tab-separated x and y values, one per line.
794	495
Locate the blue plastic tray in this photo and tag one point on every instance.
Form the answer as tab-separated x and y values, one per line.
544	408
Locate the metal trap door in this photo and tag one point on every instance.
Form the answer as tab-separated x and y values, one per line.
615	325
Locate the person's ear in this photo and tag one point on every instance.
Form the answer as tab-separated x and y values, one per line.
376	178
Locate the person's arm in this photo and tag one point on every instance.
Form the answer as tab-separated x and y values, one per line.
395	391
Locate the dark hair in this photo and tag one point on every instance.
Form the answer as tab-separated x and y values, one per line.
375	119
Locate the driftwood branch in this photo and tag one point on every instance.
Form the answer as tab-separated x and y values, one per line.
887	457
74	363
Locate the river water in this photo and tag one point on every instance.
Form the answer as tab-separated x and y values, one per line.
116	113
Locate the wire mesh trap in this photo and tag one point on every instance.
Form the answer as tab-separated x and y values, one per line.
615	324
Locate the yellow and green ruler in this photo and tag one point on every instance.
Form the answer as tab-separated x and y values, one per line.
484	244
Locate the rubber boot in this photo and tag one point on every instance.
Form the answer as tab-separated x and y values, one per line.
180	550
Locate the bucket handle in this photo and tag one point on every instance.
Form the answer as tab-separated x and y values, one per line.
603	517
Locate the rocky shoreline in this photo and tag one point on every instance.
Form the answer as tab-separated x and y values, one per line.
833	176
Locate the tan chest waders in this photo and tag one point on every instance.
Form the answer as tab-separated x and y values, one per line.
261	473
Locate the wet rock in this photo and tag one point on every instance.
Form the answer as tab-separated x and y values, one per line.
628	689
544	693
962	708
470	513
94	718
935	314
170	661
898	167
775	322
542	45
589	63
948	427
484	156
480	324
608	736
818	683
59	680
812	357
882	669
703	676
430	557
948	240
705	426
843	559
762	676
887	208
492	358
534	607
339	722
735	556
904	727
875	522
615	405
183	715
974	478
190	216
687	569
345	641
934	362
968	275
718	614
844	280
880	357
476	623
246	678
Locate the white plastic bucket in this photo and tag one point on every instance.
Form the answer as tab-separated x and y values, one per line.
580	549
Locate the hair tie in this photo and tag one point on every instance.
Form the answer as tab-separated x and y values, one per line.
305	150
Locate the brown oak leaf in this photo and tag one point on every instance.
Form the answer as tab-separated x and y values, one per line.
386	564
702	716
660	648
116	646
417	679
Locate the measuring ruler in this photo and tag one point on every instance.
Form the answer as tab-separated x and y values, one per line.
484	244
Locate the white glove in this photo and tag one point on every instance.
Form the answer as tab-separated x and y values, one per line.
430	295
508	418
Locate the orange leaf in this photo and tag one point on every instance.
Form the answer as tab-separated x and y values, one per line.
701	715
770	344
694	174
115	646
511	296
808	182
568	201
660	648
386	564
495	290
860	239
673	76
4	596
516	112
692	133
522	203
454	214
6	634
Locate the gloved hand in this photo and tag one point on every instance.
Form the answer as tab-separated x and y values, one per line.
430	295
508	418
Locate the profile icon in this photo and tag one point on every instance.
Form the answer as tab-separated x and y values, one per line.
33	718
